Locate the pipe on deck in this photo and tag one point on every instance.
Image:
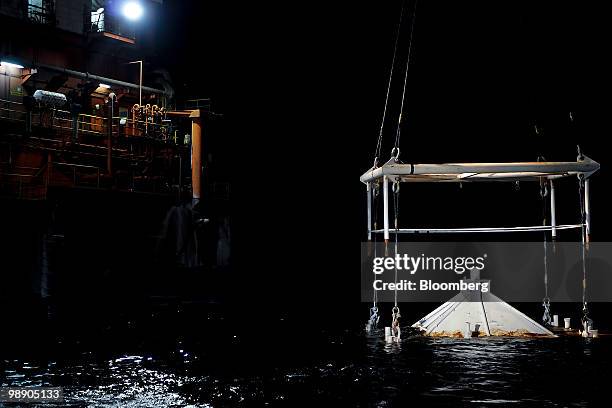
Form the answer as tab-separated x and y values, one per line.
110	81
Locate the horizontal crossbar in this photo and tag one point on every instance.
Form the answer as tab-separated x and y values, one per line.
477	230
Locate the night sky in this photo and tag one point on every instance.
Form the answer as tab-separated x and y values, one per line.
302	85
300	89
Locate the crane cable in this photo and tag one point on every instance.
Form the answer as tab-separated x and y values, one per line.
374	317
395	327
384	115
396	151
546	318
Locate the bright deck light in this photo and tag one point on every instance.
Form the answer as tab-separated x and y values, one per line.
105	86
11	65
132	10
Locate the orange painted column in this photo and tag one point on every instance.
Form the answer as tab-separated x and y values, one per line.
196	156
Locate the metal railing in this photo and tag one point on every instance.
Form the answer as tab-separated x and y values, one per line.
202	103
32	183
85	124
12	110
137	147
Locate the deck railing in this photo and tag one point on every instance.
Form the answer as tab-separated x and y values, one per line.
82	124
136	147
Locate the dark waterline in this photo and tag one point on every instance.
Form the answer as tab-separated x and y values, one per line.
224	363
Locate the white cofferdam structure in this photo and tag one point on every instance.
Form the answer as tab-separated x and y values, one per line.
493	317
474	313
464	314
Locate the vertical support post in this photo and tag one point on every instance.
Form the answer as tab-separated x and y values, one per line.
180	177
586	321
75	123
109	154
196	156
140	85
587	208
553	211
369	192
49	169
29	121
386	206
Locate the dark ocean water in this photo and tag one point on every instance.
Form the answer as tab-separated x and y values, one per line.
224	363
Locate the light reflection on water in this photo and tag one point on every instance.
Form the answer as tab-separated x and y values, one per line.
356	371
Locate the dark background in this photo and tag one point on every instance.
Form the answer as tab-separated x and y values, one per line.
302	88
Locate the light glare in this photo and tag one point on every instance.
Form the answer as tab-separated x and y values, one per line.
11	65
132	10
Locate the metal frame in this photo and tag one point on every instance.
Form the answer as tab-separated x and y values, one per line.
470	230
464	172
393	171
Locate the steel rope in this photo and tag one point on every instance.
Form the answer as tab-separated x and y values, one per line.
399	122
382	122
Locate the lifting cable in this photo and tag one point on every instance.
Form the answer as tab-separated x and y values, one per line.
546	318
395	155
396	151
382	122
